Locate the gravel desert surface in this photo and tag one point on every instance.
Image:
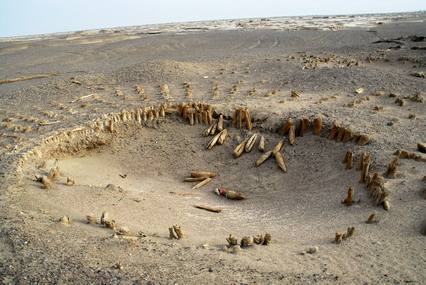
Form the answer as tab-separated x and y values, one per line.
113	121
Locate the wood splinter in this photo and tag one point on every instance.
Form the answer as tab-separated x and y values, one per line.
239	149
202	183
208	208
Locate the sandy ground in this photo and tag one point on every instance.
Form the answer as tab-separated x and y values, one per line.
42	83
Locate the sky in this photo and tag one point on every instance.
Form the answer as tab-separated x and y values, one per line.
30	17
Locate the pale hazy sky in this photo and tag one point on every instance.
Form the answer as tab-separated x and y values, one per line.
28	17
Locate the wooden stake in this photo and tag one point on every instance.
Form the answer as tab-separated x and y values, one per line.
318	125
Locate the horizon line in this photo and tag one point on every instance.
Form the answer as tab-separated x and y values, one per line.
29	36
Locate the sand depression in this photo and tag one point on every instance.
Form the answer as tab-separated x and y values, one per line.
144	165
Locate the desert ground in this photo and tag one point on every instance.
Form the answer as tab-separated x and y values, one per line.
113	121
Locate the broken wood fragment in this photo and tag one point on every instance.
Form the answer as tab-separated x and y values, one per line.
348	160
349	200
238	151
65	220
179	232
202	183
267	239
207	130
338	238
194	179
263	158
278	146
213	141
29	77
366	161
258	239
110	224
208	208
303	126
232	241
220	123
292	135
261	146
222	136
318	125
363	140
214	128
246	242
70	182
279	158
286	127
172	233
409	155
347	135
229	194
334	131
295	93
45	182
204	174
372	219
242	119
392	168
91	219
250	143
377	191
421	147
